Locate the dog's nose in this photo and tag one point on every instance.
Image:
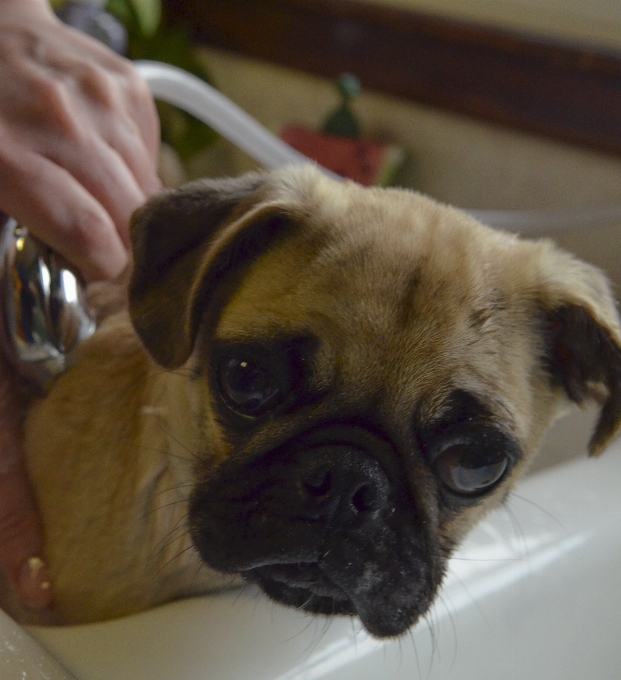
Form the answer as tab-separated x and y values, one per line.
341	483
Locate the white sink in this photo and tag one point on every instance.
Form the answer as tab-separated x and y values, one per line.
533	593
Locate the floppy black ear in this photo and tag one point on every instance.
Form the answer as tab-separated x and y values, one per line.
188	243
583	345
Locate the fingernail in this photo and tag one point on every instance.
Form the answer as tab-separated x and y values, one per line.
34	587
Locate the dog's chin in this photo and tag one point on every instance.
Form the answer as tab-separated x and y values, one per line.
303	586
307	587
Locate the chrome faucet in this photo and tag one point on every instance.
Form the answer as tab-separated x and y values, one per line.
43	311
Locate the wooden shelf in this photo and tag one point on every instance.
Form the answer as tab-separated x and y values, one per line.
563	91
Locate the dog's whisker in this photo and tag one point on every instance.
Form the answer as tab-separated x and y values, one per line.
473	599
325	628
456	558
303	606
199	565
540	508
170	540
311	622
400	644
243	589
156	449
181	525
175	557
174	488
524	549
170	543
410	636
434	635
171	537
193	455
318	638
451	618
417	657
159	508
427	620
182	521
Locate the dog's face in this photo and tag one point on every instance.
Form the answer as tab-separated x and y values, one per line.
371	372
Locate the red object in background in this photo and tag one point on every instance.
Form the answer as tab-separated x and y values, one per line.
362	160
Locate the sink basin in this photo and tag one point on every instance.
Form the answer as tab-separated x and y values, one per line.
533	593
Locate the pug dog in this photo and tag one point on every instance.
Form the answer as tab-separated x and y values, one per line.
311	385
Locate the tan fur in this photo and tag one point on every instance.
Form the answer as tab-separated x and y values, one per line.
120	448
410	300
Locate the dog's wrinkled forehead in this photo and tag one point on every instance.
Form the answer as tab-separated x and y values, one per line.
419	290
405	295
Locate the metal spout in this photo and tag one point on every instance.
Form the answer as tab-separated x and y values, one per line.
44	315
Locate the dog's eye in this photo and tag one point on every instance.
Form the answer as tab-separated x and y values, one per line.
248	387
466	469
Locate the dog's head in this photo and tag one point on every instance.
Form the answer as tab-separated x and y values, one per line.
372	372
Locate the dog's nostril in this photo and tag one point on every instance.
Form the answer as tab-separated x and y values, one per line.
338	483
365	498
319	482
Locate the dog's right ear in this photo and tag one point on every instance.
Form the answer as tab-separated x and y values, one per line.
189	245
582	337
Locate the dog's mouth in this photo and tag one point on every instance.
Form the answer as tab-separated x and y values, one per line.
323	527
386	606
303	586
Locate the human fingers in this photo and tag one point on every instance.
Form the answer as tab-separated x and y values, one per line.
100	170
82	125
61	212
142	120
74	113
106	97
111	81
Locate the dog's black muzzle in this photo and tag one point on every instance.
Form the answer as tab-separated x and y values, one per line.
324	523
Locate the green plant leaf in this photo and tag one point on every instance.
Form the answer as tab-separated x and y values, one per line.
149	13
171	45
141	17
186	134
125	12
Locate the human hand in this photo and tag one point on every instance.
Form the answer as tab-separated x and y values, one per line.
79	138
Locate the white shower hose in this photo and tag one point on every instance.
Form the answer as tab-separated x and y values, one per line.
193	95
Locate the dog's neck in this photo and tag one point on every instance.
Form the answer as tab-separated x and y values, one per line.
110	452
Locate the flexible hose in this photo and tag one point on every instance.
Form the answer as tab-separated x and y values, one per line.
193	95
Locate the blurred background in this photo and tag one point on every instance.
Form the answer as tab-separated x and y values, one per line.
496	104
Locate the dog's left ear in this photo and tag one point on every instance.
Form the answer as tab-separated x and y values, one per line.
583	341
189	248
